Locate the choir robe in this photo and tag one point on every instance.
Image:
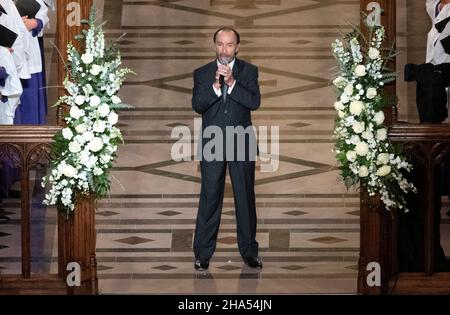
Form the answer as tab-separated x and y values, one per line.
13	21
43	22
50	4
32	109
10	90
10	87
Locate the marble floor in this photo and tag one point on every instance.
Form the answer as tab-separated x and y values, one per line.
308	223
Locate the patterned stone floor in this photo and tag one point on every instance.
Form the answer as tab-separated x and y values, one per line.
308	224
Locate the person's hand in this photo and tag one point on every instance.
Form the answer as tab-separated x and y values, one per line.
227	74
442	3
217	84
29	23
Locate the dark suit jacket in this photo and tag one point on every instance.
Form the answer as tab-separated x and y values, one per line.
244	98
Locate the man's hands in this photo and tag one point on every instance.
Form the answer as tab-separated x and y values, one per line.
442	3
227	74
29	23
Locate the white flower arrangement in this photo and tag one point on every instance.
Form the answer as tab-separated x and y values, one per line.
83	152
362	146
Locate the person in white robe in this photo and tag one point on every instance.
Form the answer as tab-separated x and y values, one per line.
32	110
10	87
13	21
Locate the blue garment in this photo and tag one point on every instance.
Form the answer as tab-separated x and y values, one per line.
43	73
32	108
33	102
35	32
3	76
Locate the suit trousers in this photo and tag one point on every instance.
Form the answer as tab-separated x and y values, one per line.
213	174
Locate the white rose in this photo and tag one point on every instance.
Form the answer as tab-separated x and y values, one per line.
338	105
379	117
383	158
355	139
356	107
363	171
105	159
98	171
84	158
79	100
99	126
341	114
381	134
345	98
371	93
340	82
74	147
112	77
362	148
351	156
75	112
360	70
349	89
103	110
67	133
384	170
96	144
116	100
368	135
69	171
113	118
358	127
87	58
88	88
88	136
95	101
106	139
373	53
91	162
81	128
79	139
96	69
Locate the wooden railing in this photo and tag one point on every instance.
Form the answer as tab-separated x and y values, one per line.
25	146
29	144
428	145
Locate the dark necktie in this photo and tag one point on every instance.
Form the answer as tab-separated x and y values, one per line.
224	89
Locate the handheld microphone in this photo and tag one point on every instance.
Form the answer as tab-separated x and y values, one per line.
224	62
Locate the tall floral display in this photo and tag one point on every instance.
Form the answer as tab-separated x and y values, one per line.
362	146
83	152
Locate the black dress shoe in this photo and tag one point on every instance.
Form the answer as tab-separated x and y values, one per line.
253	262
201	264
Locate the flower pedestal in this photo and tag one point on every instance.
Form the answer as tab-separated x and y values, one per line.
378	245
76	243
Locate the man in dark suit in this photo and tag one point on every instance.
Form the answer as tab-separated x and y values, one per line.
225	91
